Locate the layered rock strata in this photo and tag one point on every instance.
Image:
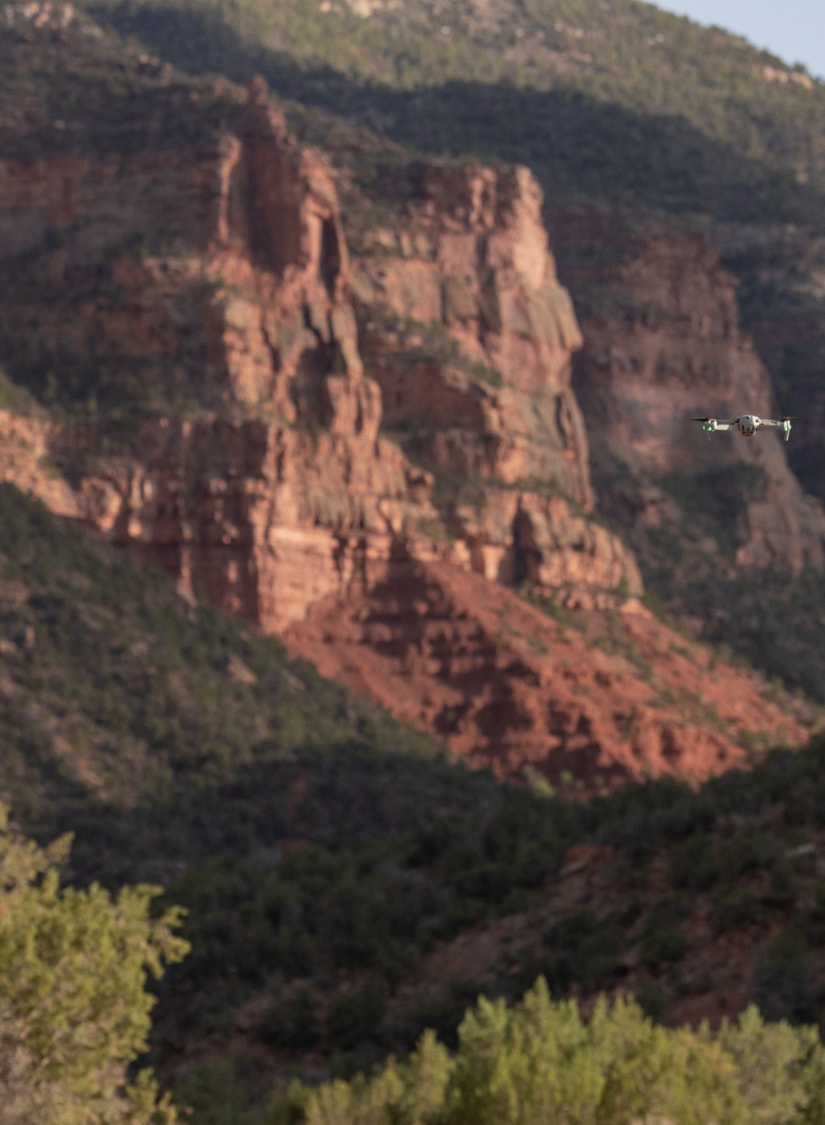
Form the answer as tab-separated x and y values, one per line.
469	333
234	425
663	342
356	450
612	697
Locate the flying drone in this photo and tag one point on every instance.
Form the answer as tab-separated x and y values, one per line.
746	424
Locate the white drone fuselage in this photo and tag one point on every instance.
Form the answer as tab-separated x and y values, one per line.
745	424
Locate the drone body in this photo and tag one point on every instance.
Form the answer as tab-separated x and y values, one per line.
745	424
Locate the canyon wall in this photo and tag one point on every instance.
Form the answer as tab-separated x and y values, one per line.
354	433
663	342
235	414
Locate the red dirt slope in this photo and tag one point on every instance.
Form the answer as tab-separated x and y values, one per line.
589	698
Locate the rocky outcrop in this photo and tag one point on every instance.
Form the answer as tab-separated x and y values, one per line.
212	297
469	334
663	342
470	266
359	450
257	472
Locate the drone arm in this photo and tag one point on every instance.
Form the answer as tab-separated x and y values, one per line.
783	424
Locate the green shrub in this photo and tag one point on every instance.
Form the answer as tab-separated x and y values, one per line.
784	989
694	864
584	949
662	945
735	909
291	1022
355	1017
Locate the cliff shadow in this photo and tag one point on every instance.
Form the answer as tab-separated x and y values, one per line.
577	146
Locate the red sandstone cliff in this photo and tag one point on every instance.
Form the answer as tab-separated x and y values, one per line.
662	342
277	487
469	334
361	451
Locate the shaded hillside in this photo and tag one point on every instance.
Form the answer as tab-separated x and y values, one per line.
782	279
622	101
117	687
329	856
696	903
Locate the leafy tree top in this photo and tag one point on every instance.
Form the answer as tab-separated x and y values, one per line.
74	1008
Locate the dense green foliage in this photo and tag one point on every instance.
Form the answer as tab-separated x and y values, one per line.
96	95
74	1009
540	1061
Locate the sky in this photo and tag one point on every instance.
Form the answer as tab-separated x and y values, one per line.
792	29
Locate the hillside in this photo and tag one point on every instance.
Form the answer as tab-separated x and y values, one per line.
487	479
317	388
179	404
347	883
562	87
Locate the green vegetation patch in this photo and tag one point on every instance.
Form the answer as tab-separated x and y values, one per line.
542	1061
675	116
74	1004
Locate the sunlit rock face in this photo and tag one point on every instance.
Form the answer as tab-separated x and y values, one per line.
472	263
358	448
245	423
469	334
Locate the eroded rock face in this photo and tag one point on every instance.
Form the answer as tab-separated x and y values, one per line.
259	474
213	298
356	450
663	343
471	267
469	334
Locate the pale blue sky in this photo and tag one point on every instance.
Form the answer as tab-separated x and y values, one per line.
792	29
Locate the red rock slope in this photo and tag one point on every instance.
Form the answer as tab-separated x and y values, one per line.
603	696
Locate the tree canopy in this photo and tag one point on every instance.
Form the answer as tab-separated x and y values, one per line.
542	1061
75	1011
